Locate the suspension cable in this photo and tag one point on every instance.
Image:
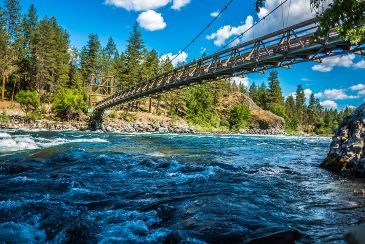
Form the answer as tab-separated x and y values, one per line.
201	32
263	18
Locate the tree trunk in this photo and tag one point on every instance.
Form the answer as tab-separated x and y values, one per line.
12	93
150	105
158	105
3	88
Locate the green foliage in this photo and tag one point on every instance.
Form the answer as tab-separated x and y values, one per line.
32	116
69	104
345	13
113	114
129	117
199	103
28	100
239	117
4	118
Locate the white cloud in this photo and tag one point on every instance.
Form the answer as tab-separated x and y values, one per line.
334	94
178	4
215	13
361	93
358	87
359	65
291	12
138	5
308	93
328	64
227	31
329	104
240	80
180	59
346	61
350	107
152	21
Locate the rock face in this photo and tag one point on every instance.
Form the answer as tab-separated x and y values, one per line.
347	150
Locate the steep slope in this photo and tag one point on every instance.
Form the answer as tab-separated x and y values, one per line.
261	119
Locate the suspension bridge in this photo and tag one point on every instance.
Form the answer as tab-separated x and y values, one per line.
280	49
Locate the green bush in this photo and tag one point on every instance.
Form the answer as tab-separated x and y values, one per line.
239	117
4	118
113	114
29	101
69	104
128	116
33	116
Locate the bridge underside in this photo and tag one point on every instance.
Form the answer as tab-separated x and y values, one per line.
283	48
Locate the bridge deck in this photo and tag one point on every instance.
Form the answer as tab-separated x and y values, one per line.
282	48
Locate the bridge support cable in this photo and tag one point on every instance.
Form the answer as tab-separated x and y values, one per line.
202	31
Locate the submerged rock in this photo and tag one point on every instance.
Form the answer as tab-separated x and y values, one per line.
347	150
355	235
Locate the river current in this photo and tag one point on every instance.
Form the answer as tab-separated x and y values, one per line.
140	188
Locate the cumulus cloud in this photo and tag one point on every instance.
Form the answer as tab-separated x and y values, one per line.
358	87
215	13
221	35
239	80
328	64
138	5
308	93
359	65
152	21
180	59
346	61
292	12
361	93
178	4
335	94
329	104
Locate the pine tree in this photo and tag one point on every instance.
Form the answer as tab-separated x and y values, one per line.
276	95
263	96
253	92
151	65
92	58
300	104
12	24
134	56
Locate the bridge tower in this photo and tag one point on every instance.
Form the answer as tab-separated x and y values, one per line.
100	87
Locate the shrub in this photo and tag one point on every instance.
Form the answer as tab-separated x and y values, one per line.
69	104
29	101
239	117
4	118
113	114
33	116
129	117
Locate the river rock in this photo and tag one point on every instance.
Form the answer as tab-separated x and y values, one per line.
347	150
355	235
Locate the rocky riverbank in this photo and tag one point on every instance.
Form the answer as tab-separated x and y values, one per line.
141	122
347	150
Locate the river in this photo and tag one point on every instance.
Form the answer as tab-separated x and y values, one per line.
113	187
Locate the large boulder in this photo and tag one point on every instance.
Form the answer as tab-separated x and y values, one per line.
347	150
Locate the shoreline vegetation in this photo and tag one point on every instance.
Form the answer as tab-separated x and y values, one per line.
48	79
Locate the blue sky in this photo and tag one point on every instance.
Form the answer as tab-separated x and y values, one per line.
168	25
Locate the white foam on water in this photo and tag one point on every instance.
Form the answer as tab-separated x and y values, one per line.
18	143
13	143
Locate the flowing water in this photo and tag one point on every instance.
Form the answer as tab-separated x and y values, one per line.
111	187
